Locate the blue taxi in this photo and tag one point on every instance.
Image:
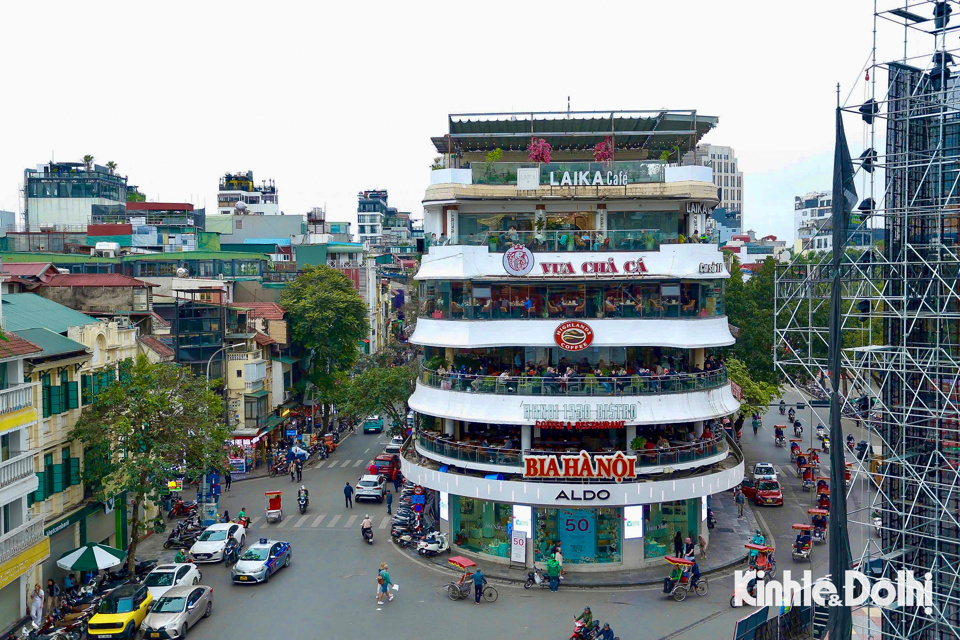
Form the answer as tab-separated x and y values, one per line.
261	560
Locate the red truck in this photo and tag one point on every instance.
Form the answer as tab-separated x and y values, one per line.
388	465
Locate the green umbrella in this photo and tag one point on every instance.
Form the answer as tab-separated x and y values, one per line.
91	557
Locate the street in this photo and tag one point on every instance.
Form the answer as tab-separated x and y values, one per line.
330	585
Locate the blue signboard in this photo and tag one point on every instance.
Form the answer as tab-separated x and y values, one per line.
577	529
291	433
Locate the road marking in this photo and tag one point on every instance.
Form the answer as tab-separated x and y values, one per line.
316	522
386	522
254	520
301	521
350	522
367	451
282	523
358	463
333	521
332	464
319	464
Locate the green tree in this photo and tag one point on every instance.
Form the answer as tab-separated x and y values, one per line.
328	321
158	421
757	396
750	309
111	166
382	391
88	161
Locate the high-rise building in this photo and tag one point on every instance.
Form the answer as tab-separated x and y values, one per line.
61	195
541	318
726	172
812	220
239	194
371	210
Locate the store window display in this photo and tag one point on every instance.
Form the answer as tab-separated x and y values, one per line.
482	526
664	520
588	535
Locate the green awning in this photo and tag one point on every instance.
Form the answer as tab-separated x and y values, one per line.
257	394
286	359
272	423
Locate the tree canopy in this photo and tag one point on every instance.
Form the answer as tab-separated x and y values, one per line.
757	396
382	391
156	423
328	321
750	309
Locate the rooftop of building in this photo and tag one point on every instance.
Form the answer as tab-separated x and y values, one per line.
656	130
15	346
244	182
29	270
159	206
263	339
170	256
51	343
265	310
29	311
95	280
157	346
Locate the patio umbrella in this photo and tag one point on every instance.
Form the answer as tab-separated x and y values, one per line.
91	557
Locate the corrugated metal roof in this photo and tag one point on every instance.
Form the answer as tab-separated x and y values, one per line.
179	256
29	269
283	242
30	311
156	345
95	280
15	346
265	310
52	344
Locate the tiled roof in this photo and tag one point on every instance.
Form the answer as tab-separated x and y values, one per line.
265	310
30	311
263	339
96	280
15	346
155	345
28	269
53	344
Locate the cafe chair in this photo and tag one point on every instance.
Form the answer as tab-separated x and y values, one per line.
580	308
609	308
456	310
485	309
553	310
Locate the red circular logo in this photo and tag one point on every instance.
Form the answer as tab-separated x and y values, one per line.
573	336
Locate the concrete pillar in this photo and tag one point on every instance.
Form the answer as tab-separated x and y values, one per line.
457	431
631	434
453	225
448	354
699	357
698	428
448	426
601	220
526	437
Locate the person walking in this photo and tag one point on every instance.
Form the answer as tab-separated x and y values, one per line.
553	574
299	471
228	479
397	479
678	545
348	495
293	471
384	581
558	556
389	502
53	596
740	500
702	543
478	581
36	604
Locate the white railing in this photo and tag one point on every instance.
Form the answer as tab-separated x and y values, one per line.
254	386
243	356
20	539
16	398
16	468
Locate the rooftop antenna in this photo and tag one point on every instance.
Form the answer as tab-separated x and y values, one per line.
568	106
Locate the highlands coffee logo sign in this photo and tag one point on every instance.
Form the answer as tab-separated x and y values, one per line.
609	467
573	336
518	260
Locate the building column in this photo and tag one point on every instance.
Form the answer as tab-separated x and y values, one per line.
448	427
631	434
699	357
448	354
453	225
601	221
526	437
698	428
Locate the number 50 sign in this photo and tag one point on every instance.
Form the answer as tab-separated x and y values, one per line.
518	548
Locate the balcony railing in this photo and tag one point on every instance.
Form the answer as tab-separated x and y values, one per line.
17	468
16	398
646	458
20	539
559	240
635	385
253	386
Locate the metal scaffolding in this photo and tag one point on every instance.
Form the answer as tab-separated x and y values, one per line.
901	319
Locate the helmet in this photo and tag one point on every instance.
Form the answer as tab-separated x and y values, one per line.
366	517
758	532
304	487
586	608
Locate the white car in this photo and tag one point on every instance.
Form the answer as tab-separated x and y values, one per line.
167	576
370	487
392	449
209	546
764	471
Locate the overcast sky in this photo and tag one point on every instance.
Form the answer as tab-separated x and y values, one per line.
332	98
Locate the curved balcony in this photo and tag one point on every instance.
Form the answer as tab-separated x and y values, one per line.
510	461
590	385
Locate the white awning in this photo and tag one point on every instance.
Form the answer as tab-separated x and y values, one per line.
668	408
681	333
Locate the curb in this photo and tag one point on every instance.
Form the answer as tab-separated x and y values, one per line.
435	560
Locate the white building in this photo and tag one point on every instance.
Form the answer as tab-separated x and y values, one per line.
238	192
589	280
61	195
726	173
812	218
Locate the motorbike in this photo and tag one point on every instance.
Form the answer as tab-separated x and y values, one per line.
181	509
711	519
797	430
582	632
279	468
302	502
244	522
367	534
862	448
433	544
35	632
180	541
821	432
536	577
826	444
142	568
783	409
231	552
851	442
751	589
792	415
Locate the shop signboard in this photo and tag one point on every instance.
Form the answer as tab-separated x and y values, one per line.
445	506
528	179
633	522
573	336
238	465
578	532
522	520
518	547
615	466
291	433
583	414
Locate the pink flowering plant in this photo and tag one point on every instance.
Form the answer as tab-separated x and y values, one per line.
603	151
539	150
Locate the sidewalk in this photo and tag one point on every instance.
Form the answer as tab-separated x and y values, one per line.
724	550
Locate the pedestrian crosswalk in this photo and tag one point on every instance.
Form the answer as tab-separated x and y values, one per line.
310	521
341	464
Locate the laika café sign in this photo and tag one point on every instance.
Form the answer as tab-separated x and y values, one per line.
588	179
615	466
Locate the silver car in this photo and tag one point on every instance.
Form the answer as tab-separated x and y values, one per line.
177	610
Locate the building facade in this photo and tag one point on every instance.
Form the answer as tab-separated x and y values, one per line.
726	172
238	192
566	332
61	195
814	224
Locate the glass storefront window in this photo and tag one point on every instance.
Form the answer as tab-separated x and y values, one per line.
474	228
482	526
588	535
662	523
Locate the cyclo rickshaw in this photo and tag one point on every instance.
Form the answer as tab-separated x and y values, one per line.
764	560
273	505
846	473
813	457
464	587
819	524
795	449
679	583
807	477
803	545
823	499
801	460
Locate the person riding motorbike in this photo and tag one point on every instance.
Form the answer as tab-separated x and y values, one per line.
798	428
303	493
181	557
820	429
792	415
757	539
366	526
783	407
606	633
850	440
586	618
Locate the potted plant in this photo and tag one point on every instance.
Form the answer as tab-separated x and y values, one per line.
539	150
603	151
637	443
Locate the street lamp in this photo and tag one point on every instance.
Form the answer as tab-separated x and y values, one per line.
210	359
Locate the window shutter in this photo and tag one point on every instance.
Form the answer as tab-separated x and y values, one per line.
73	399
74	471
57	474
46	402
86	385
56	399
41	493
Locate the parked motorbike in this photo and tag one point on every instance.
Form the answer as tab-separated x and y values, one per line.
181	509
35	632
367	534
433	544
184	541
142	568
536	577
